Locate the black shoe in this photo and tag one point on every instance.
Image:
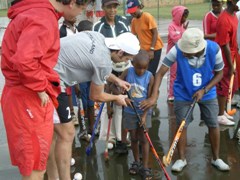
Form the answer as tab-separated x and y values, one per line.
121	148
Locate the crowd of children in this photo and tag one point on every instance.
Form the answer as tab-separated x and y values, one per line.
104	66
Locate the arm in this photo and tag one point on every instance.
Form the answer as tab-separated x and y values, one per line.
227	53
216	78
157	82
97	94
119	82
174	36
115	90
153	43
150	87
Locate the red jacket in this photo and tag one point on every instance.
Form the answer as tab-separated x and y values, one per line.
30	47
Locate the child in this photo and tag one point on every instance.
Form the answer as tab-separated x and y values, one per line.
141	81
226	37
175	31
144	26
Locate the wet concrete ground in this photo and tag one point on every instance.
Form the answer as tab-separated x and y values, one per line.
162	132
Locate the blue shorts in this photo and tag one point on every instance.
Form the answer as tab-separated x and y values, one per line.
85	90
131	122
208	108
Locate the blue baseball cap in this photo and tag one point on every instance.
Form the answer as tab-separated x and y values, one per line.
132	6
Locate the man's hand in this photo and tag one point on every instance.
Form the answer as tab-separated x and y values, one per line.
123	84
129	102
44	98
147	103
121	100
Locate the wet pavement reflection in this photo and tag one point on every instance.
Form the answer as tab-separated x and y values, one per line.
198	151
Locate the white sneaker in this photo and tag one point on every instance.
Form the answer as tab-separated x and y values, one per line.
220	165
225	121
228	116
179	165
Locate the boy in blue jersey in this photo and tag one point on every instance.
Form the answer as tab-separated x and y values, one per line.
200	66
141	81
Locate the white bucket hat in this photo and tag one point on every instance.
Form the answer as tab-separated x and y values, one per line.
126	42
192	41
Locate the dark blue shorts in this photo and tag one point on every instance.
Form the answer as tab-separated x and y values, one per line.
85	90
63	109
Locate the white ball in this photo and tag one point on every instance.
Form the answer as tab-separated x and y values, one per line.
72	161
110	145
89	136
78	176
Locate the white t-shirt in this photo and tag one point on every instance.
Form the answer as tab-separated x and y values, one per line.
84	57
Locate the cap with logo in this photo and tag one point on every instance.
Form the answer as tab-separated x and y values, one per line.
108	2
192	41
126	42
132	6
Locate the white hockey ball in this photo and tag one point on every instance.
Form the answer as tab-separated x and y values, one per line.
78	176
110	145
89	136
72	161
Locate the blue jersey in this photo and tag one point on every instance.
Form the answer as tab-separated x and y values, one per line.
139	88
190	79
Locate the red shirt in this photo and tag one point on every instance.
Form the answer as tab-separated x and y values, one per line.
210	23
227	33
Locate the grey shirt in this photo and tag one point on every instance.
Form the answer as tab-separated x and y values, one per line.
84	57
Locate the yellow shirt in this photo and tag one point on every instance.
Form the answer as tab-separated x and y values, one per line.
142	28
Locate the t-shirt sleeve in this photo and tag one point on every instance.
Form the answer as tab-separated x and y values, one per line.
223	31
170	57
101	75
219	65
207	23
151	22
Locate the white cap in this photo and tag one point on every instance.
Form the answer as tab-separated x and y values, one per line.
192	41
126	42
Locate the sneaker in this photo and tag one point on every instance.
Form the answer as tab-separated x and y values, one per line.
179	165
74	119
201	123
223	120
170	99
220	165
121	148
228	116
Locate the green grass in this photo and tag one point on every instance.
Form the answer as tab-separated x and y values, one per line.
3	12
197	11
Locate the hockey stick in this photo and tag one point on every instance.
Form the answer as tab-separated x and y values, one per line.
149	140
106	157
167	159
89	147
81	119
230	111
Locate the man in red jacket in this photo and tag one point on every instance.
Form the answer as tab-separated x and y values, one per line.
30	49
